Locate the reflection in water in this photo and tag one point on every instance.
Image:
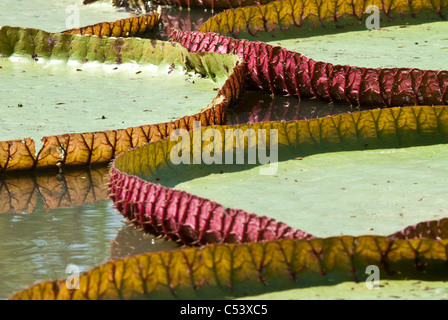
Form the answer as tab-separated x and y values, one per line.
19	193
130	241
172	17
49	221
185	20
259	106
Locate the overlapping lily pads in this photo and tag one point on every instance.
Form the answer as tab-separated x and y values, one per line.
36	46
268	255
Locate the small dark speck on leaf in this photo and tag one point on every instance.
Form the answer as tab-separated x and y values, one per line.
157	179
115	68
138	72
59	103
189	80
147	110
216	89
186	97
103	117
19	105
171	68
78	69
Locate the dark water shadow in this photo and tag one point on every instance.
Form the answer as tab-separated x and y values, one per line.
177	18
183	19
259	106
131	241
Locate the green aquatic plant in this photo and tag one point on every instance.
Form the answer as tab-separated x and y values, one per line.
237	253
100	147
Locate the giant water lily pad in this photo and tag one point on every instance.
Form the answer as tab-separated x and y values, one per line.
420	46
219	271
338	185
307	18
56	15
39	98
75	70
314	192
141	182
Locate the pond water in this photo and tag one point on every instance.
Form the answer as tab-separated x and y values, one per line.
259	106
51	221
41	245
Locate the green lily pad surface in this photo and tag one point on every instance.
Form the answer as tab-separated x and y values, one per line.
357	192
344	193
422	46
387	290
56	15
48	98
61	83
